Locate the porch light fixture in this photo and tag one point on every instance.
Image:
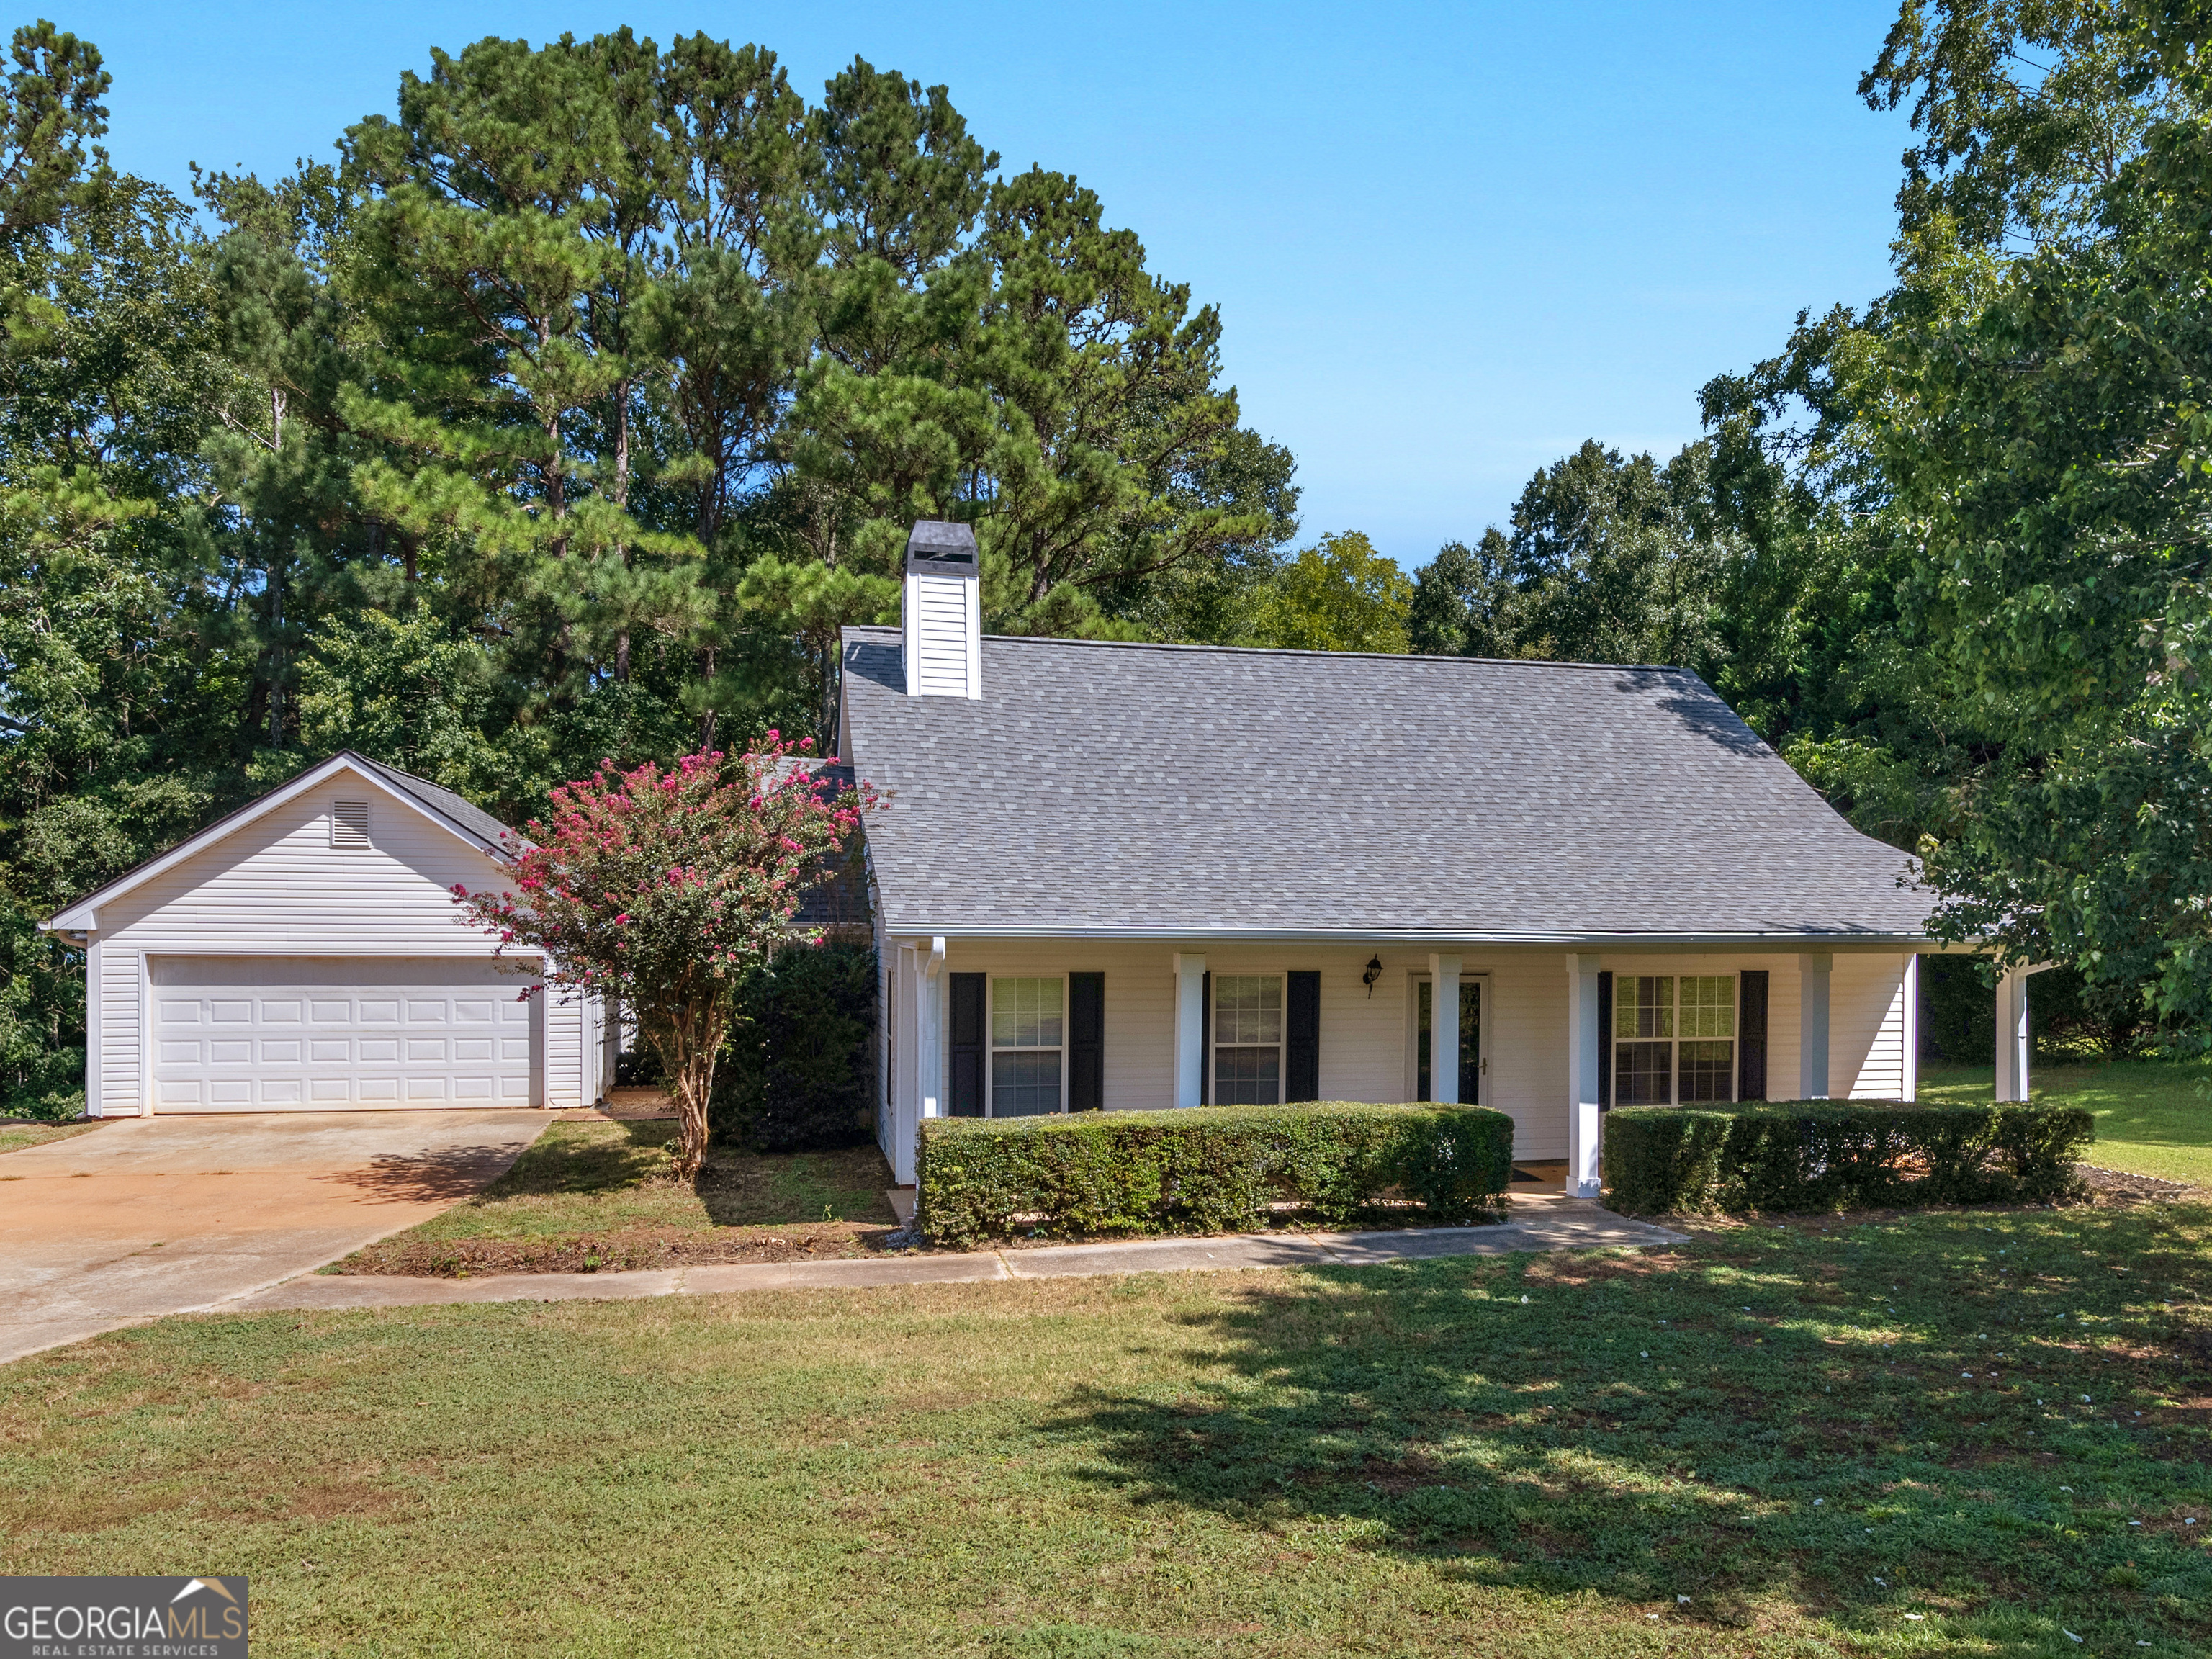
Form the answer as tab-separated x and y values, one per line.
1374	972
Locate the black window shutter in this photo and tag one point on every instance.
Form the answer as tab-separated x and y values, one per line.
1605	1042
1205	1038
1751	1035
1302	1038
966	1093
1086	1041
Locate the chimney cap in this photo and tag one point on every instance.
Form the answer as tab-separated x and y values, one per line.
947	549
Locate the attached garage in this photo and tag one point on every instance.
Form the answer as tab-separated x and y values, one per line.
305	954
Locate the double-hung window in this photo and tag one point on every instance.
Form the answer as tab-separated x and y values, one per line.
1673	1038
1029	1038
1248	1039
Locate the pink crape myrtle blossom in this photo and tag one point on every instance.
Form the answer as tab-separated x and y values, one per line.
666	889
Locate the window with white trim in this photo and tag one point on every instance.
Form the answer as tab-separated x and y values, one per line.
1248	1039
1673	1038
1029	1038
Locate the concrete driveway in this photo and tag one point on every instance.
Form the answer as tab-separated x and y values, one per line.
145	1217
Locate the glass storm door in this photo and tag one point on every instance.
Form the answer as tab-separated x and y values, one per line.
1470	1039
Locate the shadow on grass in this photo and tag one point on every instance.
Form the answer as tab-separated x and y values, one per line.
741	1189
737	1187
1724	1422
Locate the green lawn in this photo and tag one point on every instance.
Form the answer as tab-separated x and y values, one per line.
14	1137
1508	1456
598	1195
2152	1117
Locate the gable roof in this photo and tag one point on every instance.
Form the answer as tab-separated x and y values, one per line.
1186	791
457	812
441	806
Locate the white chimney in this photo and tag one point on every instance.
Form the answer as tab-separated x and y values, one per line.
944	612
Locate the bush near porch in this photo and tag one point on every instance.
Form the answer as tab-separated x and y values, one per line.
797	1072
1798	1156
1209	1169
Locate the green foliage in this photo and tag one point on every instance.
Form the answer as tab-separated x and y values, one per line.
798	1072
2042	430
1208	1170
51	107
1608	561
1341	595
1958	1010
41	1008
1791	1157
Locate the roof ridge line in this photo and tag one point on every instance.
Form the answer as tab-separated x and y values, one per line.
888	631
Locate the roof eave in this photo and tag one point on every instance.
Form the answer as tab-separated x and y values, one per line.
1872	938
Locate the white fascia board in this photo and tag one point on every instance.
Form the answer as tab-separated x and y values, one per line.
1839	939
83	916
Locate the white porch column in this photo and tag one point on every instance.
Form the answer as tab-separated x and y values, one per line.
1443	1029
1189	1028
2012	1034
1912	1088
929	1062
94	1055
1813	970
906	1063
1582	1039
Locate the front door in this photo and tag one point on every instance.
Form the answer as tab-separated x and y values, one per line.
1470	1039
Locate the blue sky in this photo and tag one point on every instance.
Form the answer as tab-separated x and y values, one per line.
1448	243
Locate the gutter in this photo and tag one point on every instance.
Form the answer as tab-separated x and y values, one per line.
1429	936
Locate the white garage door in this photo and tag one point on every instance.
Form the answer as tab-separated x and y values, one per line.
251	1033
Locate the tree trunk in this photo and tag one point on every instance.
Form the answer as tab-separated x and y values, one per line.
706	719
621	500
275	653
689	1043
695	1087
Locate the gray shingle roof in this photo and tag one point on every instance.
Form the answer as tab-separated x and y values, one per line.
1186	791
443	801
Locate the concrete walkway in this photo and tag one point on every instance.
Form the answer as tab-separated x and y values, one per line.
1538	1224
146	1217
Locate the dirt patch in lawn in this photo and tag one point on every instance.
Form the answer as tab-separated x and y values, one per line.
2125	1186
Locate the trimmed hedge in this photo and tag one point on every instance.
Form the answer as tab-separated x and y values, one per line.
1206	1168
1801	1155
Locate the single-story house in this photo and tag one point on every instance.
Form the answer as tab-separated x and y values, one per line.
305	954
1121	876
1137	875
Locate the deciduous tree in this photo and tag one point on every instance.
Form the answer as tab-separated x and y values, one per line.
666	889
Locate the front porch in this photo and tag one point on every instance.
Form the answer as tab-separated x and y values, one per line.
1000	1027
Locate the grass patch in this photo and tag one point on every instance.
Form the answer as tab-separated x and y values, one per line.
2153	1117
590	1196
1521	1455
15	1137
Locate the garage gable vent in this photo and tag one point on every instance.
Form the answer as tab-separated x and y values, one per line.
350	823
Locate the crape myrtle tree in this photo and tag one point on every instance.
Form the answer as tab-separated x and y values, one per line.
666	889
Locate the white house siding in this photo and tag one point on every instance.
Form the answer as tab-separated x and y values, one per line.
276	887
1866	1027
1366	1040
